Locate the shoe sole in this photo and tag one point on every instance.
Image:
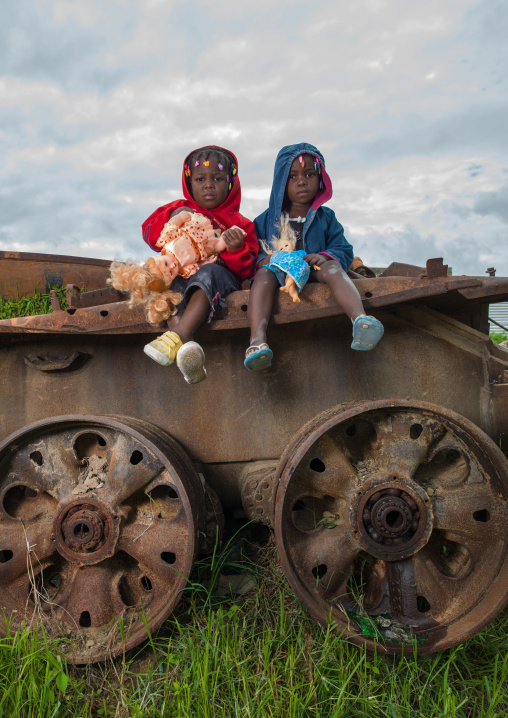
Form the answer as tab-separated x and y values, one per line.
191	360
366	334
157	356
261	359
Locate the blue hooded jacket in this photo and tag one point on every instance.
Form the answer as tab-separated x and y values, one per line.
322	232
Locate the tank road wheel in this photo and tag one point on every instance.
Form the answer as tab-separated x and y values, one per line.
391	521
99	521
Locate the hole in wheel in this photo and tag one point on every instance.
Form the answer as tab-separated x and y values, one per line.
126	593
136	457
449	557
317	465
89	444
164	502
37	458
482	515
168	557
5	555
314	512
422	604
81	531
359	437
319	571
163	491
394	519
243	307
15	498
415	431
351	430
146	583
84	620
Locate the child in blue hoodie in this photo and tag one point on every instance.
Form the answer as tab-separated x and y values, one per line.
300	187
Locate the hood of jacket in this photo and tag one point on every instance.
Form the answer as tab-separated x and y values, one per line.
283	164
226	213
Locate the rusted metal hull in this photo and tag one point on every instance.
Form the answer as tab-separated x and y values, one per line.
24	273
234	428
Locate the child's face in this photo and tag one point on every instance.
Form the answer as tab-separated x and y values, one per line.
303	181
209	185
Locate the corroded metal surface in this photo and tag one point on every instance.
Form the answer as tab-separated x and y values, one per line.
391	517
405	540
258	482
24	273
99	521
316	302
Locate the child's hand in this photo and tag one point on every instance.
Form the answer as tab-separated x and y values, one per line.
315	260
182	209
233	238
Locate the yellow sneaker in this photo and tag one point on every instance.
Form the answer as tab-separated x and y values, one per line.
164	349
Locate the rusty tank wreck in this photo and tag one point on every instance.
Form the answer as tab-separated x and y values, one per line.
382	474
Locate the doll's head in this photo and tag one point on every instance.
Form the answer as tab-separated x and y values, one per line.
303	183
286	241
285	245
148	284
210	174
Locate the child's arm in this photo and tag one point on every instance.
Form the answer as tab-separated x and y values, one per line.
240	261
336	245
153	226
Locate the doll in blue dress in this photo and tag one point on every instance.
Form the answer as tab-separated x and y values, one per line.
288	264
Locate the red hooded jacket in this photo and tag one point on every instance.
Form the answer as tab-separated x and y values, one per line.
241	261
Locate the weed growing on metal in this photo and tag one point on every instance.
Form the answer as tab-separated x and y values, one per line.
29	306
499	337
256	655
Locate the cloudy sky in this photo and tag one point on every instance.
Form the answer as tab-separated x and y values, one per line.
100	101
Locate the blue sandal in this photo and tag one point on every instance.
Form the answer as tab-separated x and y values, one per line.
259	359
367	331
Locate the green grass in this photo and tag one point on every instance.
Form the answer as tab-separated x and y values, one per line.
29	306
260	655
499	337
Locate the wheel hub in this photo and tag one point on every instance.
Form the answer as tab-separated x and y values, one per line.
86	533
393	517
83	529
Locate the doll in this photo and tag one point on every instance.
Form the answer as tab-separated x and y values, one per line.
187	242
285	259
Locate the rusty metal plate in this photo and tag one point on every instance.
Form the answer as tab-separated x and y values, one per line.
316	302
24	273
391	519
99	525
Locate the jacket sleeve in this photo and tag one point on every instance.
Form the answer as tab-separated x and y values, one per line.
336	245
153	226
242	261
261	232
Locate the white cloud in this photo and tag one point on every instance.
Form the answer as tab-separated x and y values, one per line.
100	103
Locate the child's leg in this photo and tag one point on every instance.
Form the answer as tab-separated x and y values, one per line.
259	355
342	288
367	331
196	312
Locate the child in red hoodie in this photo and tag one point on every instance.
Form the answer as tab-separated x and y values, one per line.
211	186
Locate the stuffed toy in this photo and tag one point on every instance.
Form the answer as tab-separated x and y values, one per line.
187	242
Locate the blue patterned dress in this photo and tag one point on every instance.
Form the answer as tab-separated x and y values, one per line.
292	263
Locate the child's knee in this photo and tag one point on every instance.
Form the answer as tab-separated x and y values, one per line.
332	267
265	278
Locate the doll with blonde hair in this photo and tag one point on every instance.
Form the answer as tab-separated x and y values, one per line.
187	241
